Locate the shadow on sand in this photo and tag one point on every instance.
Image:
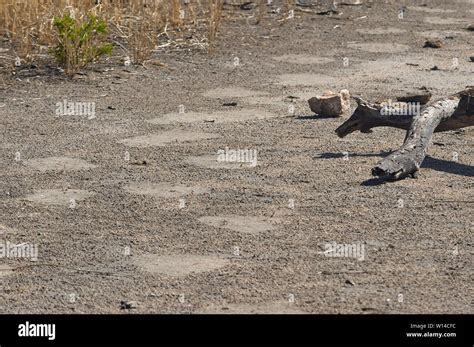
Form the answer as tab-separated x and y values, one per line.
441	165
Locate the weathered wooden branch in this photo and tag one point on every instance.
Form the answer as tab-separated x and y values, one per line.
452	113
368	116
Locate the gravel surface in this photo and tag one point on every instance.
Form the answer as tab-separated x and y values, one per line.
144	204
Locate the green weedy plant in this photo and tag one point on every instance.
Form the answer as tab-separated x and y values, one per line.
80	42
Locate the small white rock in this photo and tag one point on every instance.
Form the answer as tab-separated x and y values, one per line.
331	104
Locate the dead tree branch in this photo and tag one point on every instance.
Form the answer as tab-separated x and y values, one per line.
454	112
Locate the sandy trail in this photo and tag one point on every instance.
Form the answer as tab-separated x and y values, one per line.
134	204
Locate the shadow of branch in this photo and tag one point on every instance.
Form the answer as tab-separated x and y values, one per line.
448	166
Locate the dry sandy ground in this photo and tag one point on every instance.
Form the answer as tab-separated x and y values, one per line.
133	205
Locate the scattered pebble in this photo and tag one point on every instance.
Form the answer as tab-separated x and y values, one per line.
422	98
128	305
139	163
433	44
350	282
247	6
351	2
365	309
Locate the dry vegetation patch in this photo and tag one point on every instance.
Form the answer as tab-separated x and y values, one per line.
135	28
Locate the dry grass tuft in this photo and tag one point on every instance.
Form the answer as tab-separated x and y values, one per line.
215	15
